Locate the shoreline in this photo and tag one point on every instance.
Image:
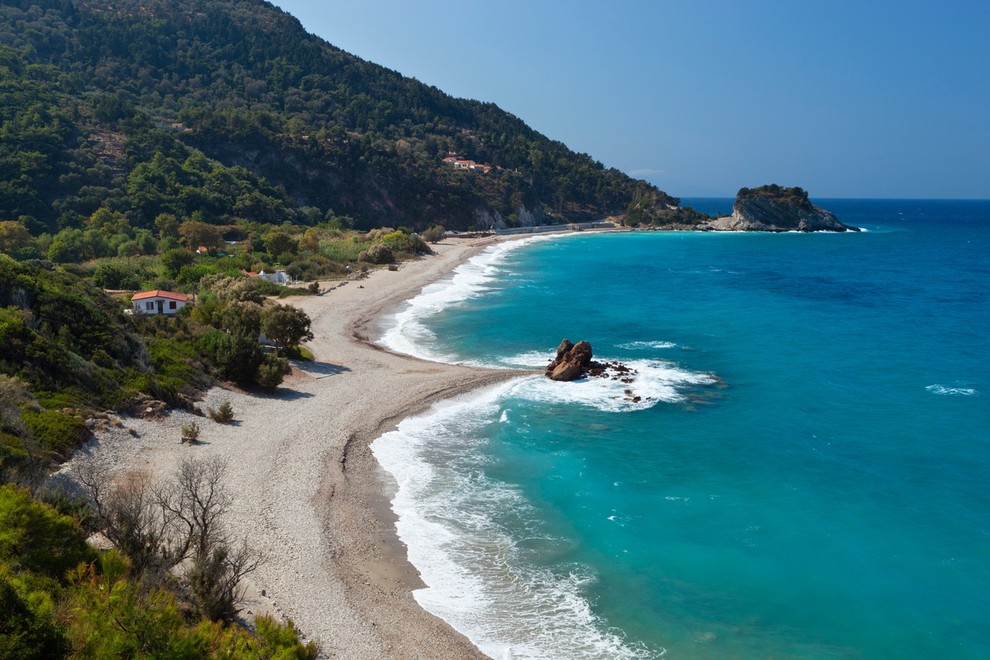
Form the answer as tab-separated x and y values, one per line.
308	494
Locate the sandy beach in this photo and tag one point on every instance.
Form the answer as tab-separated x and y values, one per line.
307	492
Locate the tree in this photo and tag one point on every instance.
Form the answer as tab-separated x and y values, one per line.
174	260
279	242
194	233
108	222
234	357
198	501
167	225
131	516
240	318
286	325
14	236
160	526
25	634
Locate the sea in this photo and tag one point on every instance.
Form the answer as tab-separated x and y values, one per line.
799	466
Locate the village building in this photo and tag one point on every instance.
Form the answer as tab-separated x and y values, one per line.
278	277
158	301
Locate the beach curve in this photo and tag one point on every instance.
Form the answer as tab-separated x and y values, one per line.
307	493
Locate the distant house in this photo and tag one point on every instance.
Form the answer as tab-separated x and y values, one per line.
158	301
459	163
278	277
202	249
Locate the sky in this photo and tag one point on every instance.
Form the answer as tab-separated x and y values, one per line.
867	98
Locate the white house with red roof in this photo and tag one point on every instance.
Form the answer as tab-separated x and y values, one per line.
158	301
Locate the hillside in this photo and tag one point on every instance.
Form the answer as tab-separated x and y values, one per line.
227	111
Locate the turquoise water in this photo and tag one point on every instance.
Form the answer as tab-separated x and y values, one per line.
807	473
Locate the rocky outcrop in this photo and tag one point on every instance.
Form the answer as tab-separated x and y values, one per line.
574	361
773	208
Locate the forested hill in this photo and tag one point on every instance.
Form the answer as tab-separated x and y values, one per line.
227	111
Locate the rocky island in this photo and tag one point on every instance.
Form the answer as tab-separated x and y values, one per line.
775	208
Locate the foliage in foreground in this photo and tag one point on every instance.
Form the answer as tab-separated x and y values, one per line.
61	599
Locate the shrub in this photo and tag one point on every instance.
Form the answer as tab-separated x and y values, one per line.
25	634
434	234
377	254
109	275
234	358
224	413
53	430
35	537
272	371
190	433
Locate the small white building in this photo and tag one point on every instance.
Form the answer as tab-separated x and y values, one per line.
158	302
278	277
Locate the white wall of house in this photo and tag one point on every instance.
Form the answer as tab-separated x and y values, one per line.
157	305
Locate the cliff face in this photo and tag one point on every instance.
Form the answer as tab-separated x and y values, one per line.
773	208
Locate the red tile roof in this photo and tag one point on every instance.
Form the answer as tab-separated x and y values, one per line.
160	293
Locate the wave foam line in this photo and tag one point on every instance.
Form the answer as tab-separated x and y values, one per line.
406	332
943	390
469	535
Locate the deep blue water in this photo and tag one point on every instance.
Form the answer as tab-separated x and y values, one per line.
807	473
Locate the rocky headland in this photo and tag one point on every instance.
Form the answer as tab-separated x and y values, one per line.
775	208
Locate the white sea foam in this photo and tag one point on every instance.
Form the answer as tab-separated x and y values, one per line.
651	381
944	390
644	345
406	333
467	533
529	359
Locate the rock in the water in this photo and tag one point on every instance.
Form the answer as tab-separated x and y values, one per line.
773	208
572	361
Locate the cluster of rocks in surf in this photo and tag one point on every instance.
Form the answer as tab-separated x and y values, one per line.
575	361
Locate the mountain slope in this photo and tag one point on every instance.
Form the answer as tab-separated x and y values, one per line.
229	109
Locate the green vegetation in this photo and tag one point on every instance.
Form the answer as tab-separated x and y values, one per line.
227	112
223	413
794	194
62	599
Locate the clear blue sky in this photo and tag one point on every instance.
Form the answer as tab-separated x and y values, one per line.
701	97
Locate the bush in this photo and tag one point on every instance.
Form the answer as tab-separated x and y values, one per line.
55	431
434	234
35	537
272	371
25	634
109	275
224	413
234	358
377	254
190	433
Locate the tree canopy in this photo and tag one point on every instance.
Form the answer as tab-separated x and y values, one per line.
228	110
